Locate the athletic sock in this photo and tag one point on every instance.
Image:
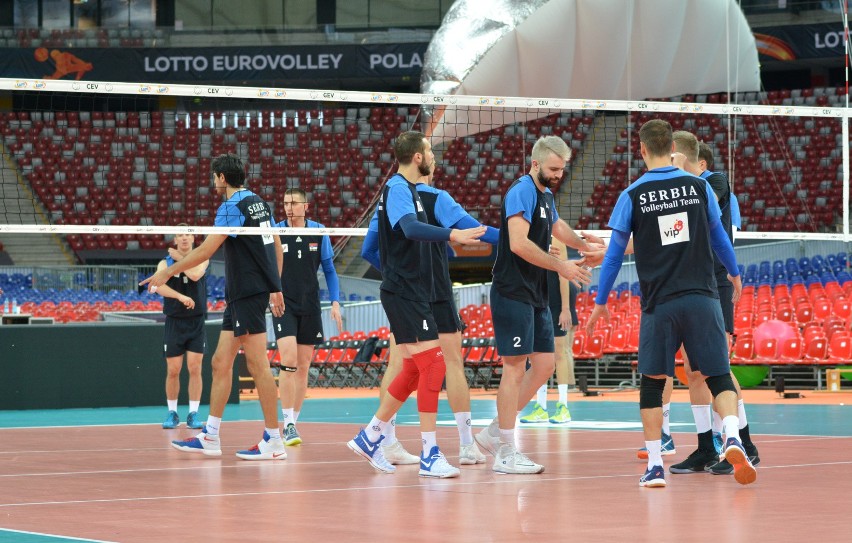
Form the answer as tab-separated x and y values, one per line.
745	435
274	433
507	436
655	458
429	441
213	425
296	415
390	432
666	408
717	422
732	427
172	405
563	394
465	431
287	417
701	414
705	441
375	429
541	396
741	414
193	406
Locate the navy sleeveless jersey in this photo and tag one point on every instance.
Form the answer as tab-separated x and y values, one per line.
406	265
302	258
250	262
514	277
197	290
669	211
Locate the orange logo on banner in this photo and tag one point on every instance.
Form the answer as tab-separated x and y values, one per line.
65	62
480	250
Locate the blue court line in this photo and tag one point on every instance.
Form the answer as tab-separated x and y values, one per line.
17	536
786	419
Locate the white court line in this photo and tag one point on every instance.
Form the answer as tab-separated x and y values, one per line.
63	537
506	479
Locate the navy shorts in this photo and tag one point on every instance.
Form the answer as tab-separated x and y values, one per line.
410	320
725	294
695	321
520	328
447	317
184	335
306	328
246	315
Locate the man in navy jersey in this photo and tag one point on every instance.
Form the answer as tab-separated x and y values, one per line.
299	329
252	281
406	295
699	395
185	307
674	219
441	210
523	326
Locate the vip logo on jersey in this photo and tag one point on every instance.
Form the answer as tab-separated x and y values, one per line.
313	246
674	228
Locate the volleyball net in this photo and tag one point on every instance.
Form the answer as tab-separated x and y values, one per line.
116	166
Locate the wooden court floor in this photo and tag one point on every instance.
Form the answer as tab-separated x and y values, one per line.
102	481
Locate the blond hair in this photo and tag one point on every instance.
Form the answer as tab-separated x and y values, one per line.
550	144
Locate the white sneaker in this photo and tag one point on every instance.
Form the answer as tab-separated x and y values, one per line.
510	460
488	441
371	451
203	443
398	456
470	455
268	448
436	465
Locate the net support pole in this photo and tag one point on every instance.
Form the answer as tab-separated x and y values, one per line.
845	131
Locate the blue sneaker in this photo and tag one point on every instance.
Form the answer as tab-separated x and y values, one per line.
203	443
193	422
654	478
371	451
735	454
667	447
717	442
172	421
291	436
268	448
435	465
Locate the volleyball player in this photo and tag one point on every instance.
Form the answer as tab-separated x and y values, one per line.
674	218
523	327
185	307
299	329
406	294
443	211
252	281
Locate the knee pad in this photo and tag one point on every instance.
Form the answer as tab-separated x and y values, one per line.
432	371
651	392
406	382
720	383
